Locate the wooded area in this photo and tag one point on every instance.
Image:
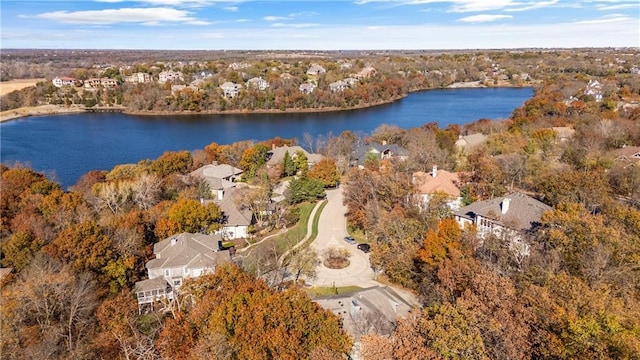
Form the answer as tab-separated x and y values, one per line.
574	294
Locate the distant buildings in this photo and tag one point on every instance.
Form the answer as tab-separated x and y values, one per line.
64	81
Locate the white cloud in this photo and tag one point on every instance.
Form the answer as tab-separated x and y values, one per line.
274	18
231	8
618	6
484	18
534	5
462	6
296	26
179	3
612	18
123	15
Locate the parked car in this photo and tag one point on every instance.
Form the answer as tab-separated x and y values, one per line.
350	240
364	247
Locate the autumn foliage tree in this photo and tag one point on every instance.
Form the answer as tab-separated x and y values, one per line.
233	315
327	172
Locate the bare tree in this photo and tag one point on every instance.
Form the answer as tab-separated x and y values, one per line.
146	191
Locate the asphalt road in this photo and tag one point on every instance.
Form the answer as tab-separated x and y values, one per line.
331	233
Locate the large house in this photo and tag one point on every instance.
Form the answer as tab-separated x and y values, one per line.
316	69
377	151
218	177
306	88
177	258
230	89
63	81
276	155
138	78
257	83
237	218
506	217
221	182
438	181
338	86
172	76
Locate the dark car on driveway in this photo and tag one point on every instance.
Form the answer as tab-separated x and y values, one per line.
350	240
364	247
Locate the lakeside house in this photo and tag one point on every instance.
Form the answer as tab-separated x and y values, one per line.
306	88
64	81
338	86
230	89
95	83
177	258
257	83
376	151
221	181
276	155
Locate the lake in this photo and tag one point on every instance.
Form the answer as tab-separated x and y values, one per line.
67	146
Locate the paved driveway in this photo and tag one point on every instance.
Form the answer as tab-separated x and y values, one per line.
331	233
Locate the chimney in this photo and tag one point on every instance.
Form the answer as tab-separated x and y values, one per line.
384	142
273	146
214	163
505	205
173	241
220	245
434	171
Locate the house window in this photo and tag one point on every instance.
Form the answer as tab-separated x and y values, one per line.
177	282
166	272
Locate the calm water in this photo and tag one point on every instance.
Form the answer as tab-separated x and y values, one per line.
67	146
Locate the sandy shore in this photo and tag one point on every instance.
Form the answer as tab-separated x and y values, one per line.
39	110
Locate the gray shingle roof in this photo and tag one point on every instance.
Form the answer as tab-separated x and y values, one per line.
361	152
186	249
277	155
522	214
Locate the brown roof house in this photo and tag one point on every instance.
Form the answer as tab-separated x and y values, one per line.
628	154
438	181
507	217
179	257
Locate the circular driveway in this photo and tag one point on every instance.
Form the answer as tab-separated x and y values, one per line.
331	233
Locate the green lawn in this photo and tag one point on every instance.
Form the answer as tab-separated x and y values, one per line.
296	233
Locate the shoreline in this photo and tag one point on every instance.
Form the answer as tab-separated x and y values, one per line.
19	113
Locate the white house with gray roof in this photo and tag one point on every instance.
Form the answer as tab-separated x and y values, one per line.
230	89
506	217
177	258
257	83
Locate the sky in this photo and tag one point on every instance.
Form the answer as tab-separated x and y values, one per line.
318	25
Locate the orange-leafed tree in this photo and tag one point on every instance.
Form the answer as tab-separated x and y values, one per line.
440	244
230	314
327	172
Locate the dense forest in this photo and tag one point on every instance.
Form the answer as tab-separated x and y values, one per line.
75	255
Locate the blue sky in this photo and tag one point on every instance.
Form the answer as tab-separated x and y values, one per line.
321	25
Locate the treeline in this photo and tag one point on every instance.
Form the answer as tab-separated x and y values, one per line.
395	75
